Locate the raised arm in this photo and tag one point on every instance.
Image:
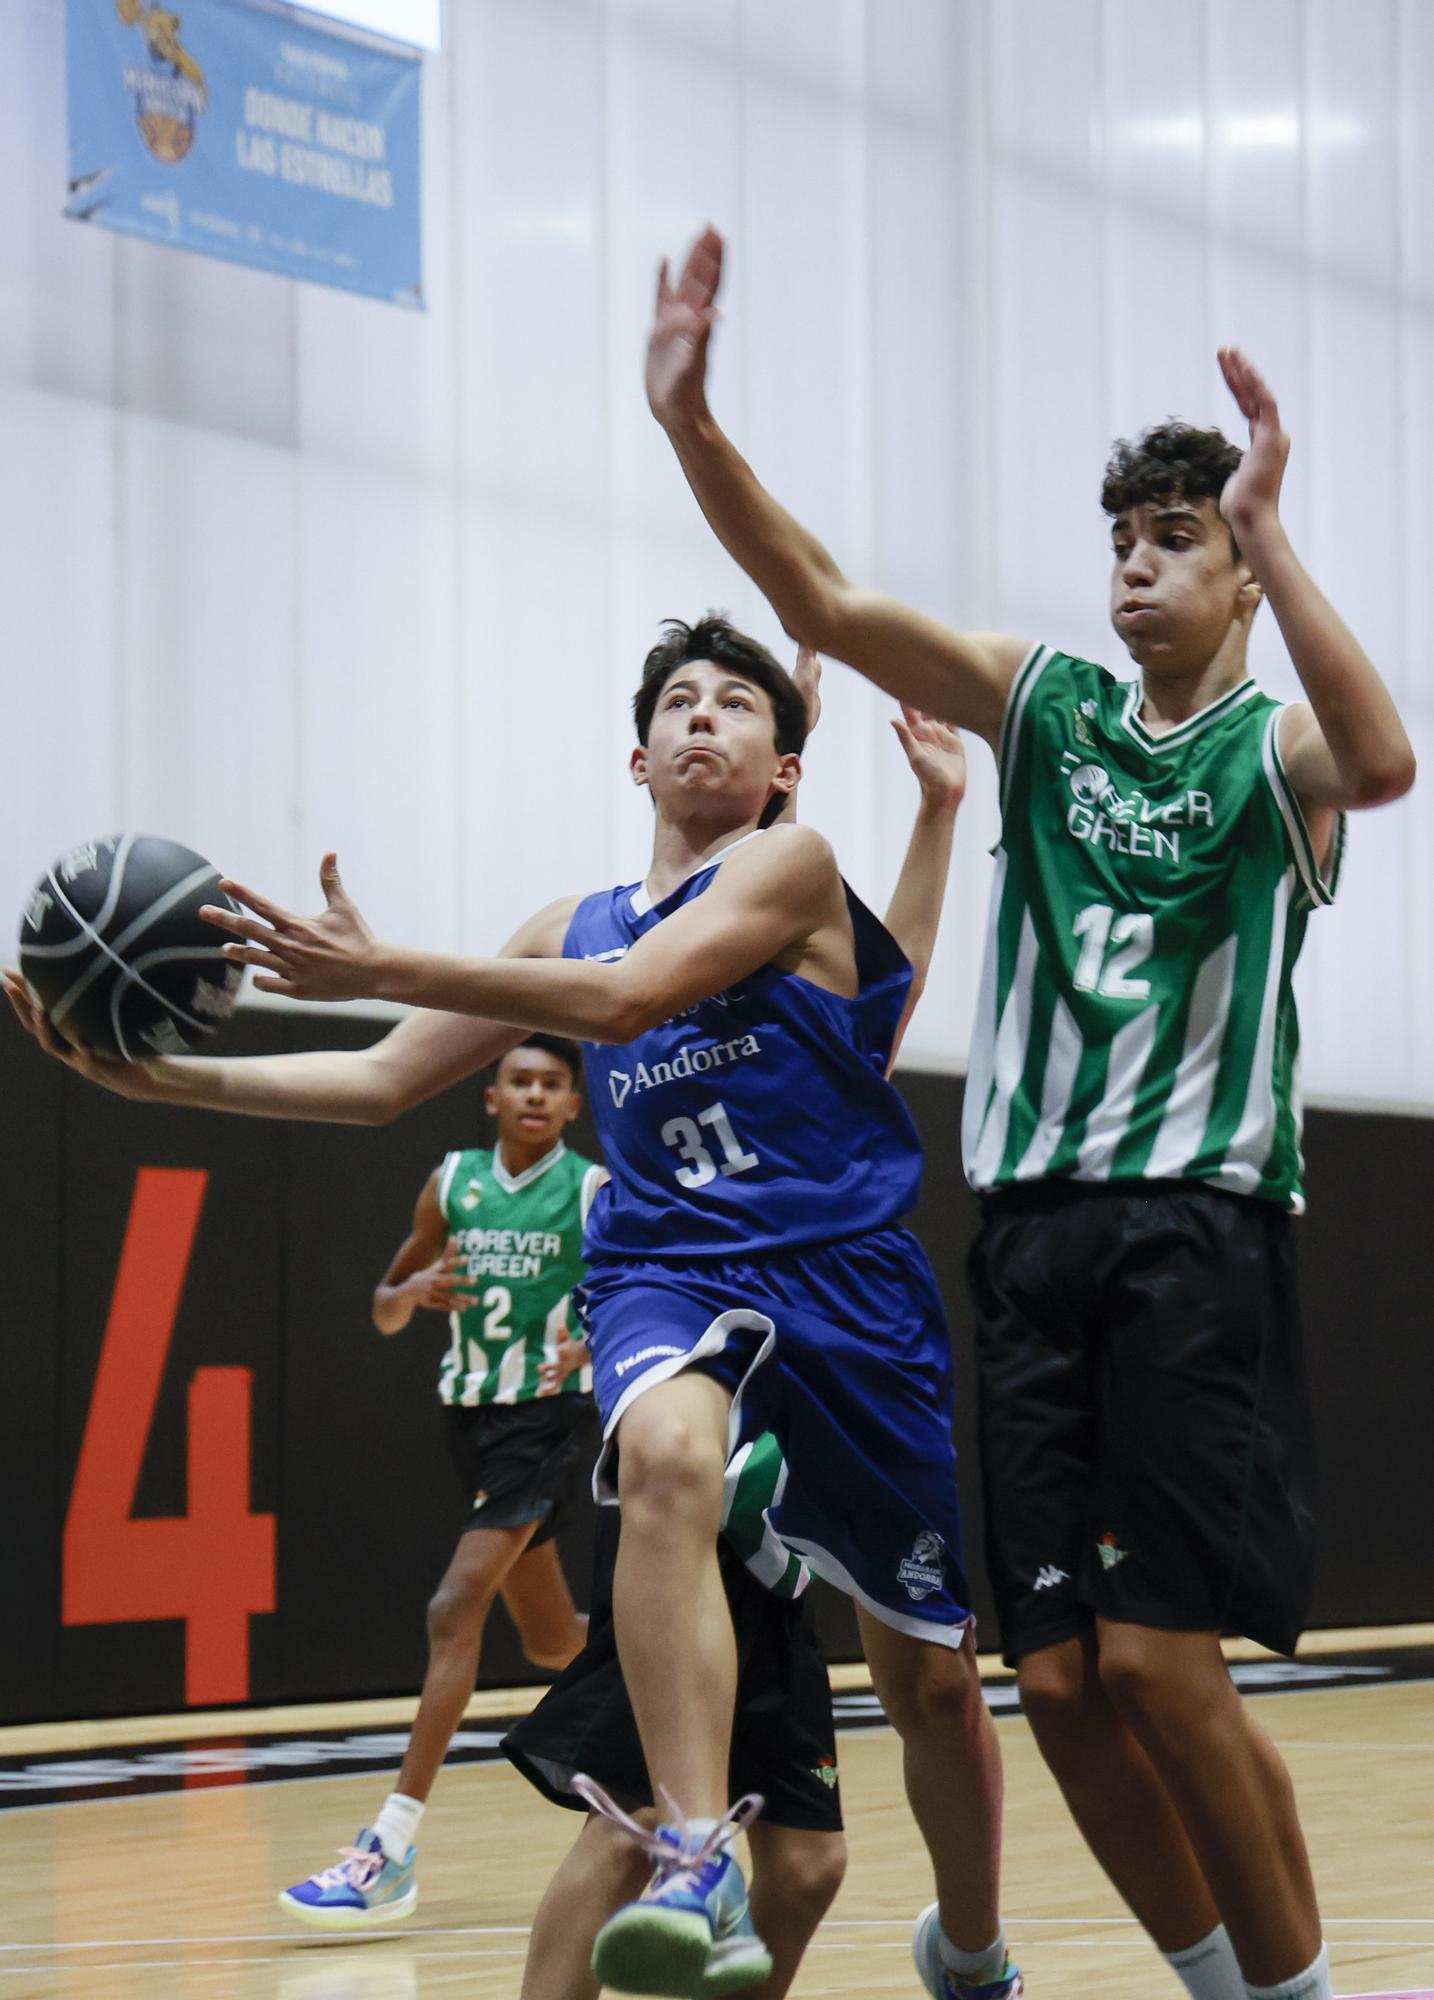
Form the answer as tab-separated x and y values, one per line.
938	760
777	899
963	677
414	1061
1348	748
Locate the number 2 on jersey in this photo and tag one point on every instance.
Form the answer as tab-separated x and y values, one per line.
1133	939
684	1134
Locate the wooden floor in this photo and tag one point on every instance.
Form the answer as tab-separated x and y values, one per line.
144	1899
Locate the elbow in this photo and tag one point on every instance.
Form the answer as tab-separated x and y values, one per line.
810	610
629	1011
1381	783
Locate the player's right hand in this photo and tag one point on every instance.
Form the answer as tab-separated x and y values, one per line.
681	328
443	1287
124	1079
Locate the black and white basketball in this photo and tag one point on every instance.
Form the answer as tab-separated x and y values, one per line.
113	949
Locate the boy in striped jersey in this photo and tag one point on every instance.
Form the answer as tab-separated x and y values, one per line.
496	1244
1132	1124
783	1747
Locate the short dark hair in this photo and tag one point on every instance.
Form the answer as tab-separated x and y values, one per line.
553	1045
715	638
1173	460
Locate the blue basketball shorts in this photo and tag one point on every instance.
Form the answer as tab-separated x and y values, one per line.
842	1350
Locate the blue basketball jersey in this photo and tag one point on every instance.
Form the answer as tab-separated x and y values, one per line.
758	1120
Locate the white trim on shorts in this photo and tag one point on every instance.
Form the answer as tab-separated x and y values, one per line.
712	1341
825	1565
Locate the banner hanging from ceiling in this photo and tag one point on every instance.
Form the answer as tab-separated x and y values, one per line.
245	134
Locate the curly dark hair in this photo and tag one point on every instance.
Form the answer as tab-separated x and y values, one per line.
1173	460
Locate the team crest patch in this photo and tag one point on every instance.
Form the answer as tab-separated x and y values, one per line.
471	1196
1082	724
924	1570
1111	1552
480	1499
825	1773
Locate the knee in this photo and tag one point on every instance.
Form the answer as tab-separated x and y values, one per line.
555	1650
454	1613
669	1466
939	1690
1153	1701
1054	1693
812	1871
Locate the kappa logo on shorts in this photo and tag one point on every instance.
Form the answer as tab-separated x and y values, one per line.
1050	1576
924	1570
1111	1552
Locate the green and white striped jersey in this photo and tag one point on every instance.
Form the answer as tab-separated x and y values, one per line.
1136	1017
756	1474
522	1235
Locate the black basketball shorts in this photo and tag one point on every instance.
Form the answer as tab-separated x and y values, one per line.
521	1462
1146	1443
783	1737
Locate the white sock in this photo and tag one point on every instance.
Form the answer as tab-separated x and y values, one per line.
1209	1970
397	1825
1313	1983
978	1968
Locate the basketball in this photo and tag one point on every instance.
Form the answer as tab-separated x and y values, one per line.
113	948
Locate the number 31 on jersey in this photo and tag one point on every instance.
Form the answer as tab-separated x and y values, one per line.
686	1135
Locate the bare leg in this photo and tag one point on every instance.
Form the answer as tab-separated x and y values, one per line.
795	1877
952	1764
674	1627
600	1872
540	1604
1229	1786
457	1614
1128	1819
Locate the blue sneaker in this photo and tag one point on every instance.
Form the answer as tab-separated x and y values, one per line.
689	1935
366	1889
942	1984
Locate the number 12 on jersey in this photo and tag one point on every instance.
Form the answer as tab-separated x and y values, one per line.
685	1134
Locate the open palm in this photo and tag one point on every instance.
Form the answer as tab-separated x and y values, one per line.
681	328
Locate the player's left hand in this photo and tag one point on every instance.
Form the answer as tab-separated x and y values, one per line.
571	1355
327	957
936	754
1252	492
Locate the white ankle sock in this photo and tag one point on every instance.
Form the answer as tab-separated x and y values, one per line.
1209	1970
980	1968
397	1825
1313	1983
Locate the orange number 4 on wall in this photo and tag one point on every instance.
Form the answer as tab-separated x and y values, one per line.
213	1566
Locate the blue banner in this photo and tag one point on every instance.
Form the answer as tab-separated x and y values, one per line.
239	132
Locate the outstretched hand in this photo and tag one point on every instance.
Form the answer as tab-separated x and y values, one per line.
1252	492
125	1079
936	754
327	957
681	328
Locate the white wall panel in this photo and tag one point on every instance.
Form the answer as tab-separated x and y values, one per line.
296	570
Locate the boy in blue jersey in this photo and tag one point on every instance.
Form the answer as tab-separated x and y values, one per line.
746	1266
